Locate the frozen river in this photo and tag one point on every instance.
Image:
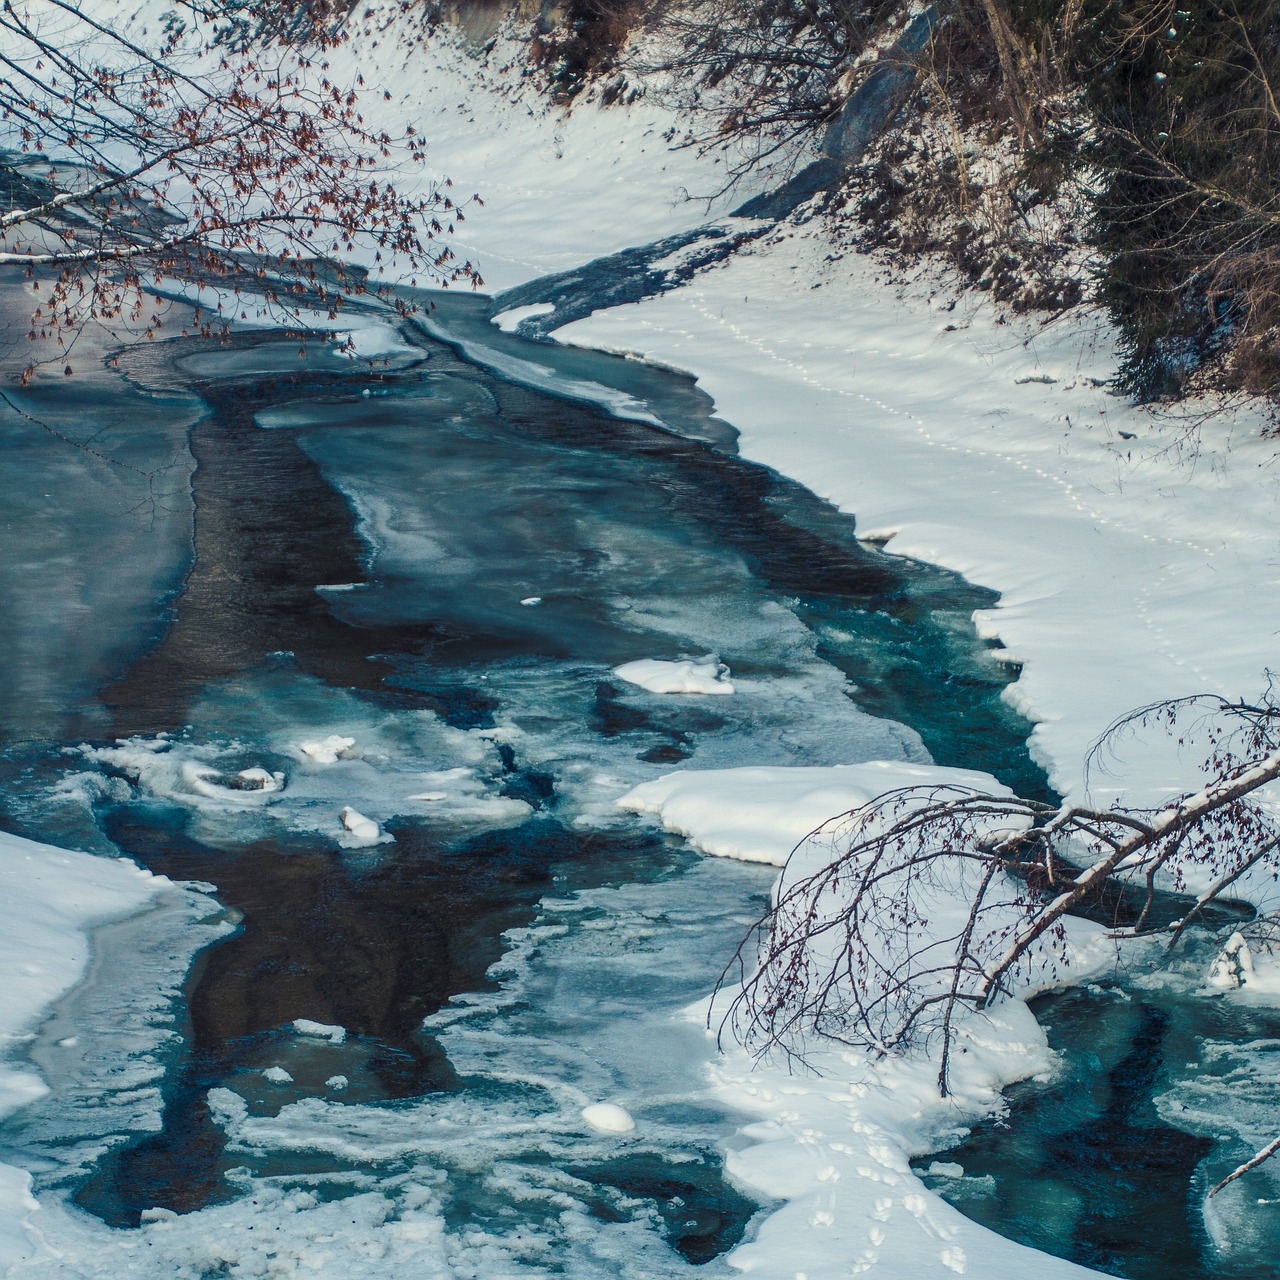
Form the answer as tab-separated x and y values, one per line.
446	1031
281	586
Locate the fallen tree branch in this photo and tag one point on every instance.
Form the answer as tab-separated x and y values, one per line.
1265	1154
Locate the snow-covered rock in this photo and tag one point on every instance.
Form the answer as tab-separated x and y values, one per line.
608	1117
363	830
327	750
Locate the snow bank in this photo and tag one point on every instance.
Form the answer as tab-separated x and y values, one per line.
835	1147
834	1140
49	900
761	815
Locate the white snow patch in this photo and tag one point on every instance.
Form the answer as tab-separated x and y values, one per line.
608	1117
364	831
328	749
508	321
1233	965
687	675
50	898
320	1030
761	814
277	1075
373	339
246	787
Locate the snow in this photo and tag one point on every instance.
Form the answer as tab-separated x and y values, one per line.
49	901
686	675
761	815
508	321
320	1030
608	1117
246	786
834	1140
835	1148
364	831
328	750
49	898
370	340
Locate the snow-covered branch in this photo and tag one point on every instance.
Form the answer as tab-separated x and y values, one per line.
891	919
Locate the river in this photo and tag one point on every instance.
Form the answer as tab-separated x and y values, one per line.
437	566
284	583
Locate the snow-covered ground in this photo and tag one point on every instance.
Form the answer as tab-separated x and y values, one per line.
1135	554
49	901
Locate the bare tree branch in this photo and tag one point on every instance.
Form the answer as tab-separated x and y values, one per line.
220	164
891	919
1265	1154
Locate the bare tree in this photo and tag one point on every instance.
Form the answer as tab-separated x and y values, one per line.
213	153
892	919
764	73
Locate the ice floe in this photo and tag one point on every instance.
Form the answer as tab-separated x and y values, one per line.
684	675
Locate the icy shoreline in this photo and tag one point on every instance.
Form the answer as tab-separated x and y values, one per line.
52	900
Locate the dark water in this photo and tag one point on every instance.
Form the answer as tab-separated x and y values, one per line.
1161	1091
445	566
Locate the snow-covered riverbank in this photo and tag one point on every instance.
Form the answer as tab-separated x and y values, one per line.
51	899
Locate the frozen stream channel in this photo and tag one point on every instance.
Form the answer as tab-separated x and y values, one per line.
359	679
409	591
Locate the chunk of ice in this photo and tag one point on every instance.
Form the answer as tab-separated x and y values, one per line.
256	779
608	1117
365	830
320	1030
688	675
327	751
